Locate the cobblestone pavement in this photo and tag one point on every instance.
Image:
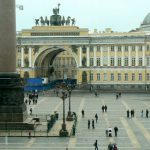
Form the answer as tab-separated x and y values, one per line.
133	134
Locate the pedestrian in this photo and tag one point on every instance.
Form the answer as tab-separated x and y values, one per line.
30	111
82	113
128	113
147	112
88	124
106	132
93	124
133	112
115	147
110	146
116	130
29	134
96	145
116	96
142	113
29	101
96	117
105	108
110	132
95	93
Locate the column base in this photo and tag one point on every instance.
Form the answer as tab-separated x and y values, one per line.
69	116
63	133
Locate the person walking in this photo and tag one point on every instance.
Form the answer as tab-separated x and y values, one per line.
110	146
93	124
147	112
88	124
96	117
116	130
96	145
115	147
128	113
105	108
82	113
142	113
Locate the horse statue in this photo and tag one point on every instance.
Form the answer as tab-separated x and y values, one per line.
73	21
46	21
63	21
42	21
37	22
68	20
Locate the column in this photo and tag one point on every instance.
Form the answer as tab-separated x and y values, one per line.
115	55
30	57
122	57
95	48
80	56
143	55
88	56
101	56
108	55
136	56
22	57
8	36
129	57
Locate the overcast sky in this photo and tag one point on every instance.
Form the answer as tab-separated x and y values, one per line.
120	15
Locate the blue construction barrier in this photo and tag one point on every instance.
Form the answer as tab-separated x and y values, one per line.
36	84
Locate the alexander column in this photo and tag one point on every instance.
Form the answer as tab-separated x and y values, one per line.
12	107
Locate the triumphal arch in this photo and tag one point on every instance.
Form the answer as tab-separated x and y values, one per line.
103	60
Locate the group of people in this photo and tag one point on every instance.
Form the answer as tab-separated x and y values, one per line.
146	113
93	124
110	146
104	108
33	97
118	95
109	131
131	113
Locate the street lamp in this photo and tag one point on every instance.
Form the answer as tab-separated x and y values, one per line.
63	131
70	115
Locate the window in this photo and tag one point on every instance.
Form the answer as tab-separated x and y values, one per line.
119	76
148	47
98	62
112	48
19	62
119	61
105	76
112	77
98	76
91	76
133	61
126	48
147	61
119	48
140	48
147	76
19	49
140	76
91	48
126	77
84	49
140	61
133	77
133	48
91	61
126	61
98	48
112	61
105	60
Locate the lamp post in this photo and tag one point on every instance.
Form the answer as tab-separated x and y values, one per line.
63	131
69	116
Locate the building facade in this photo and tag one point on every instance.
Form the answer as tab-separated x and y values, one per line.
107	60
